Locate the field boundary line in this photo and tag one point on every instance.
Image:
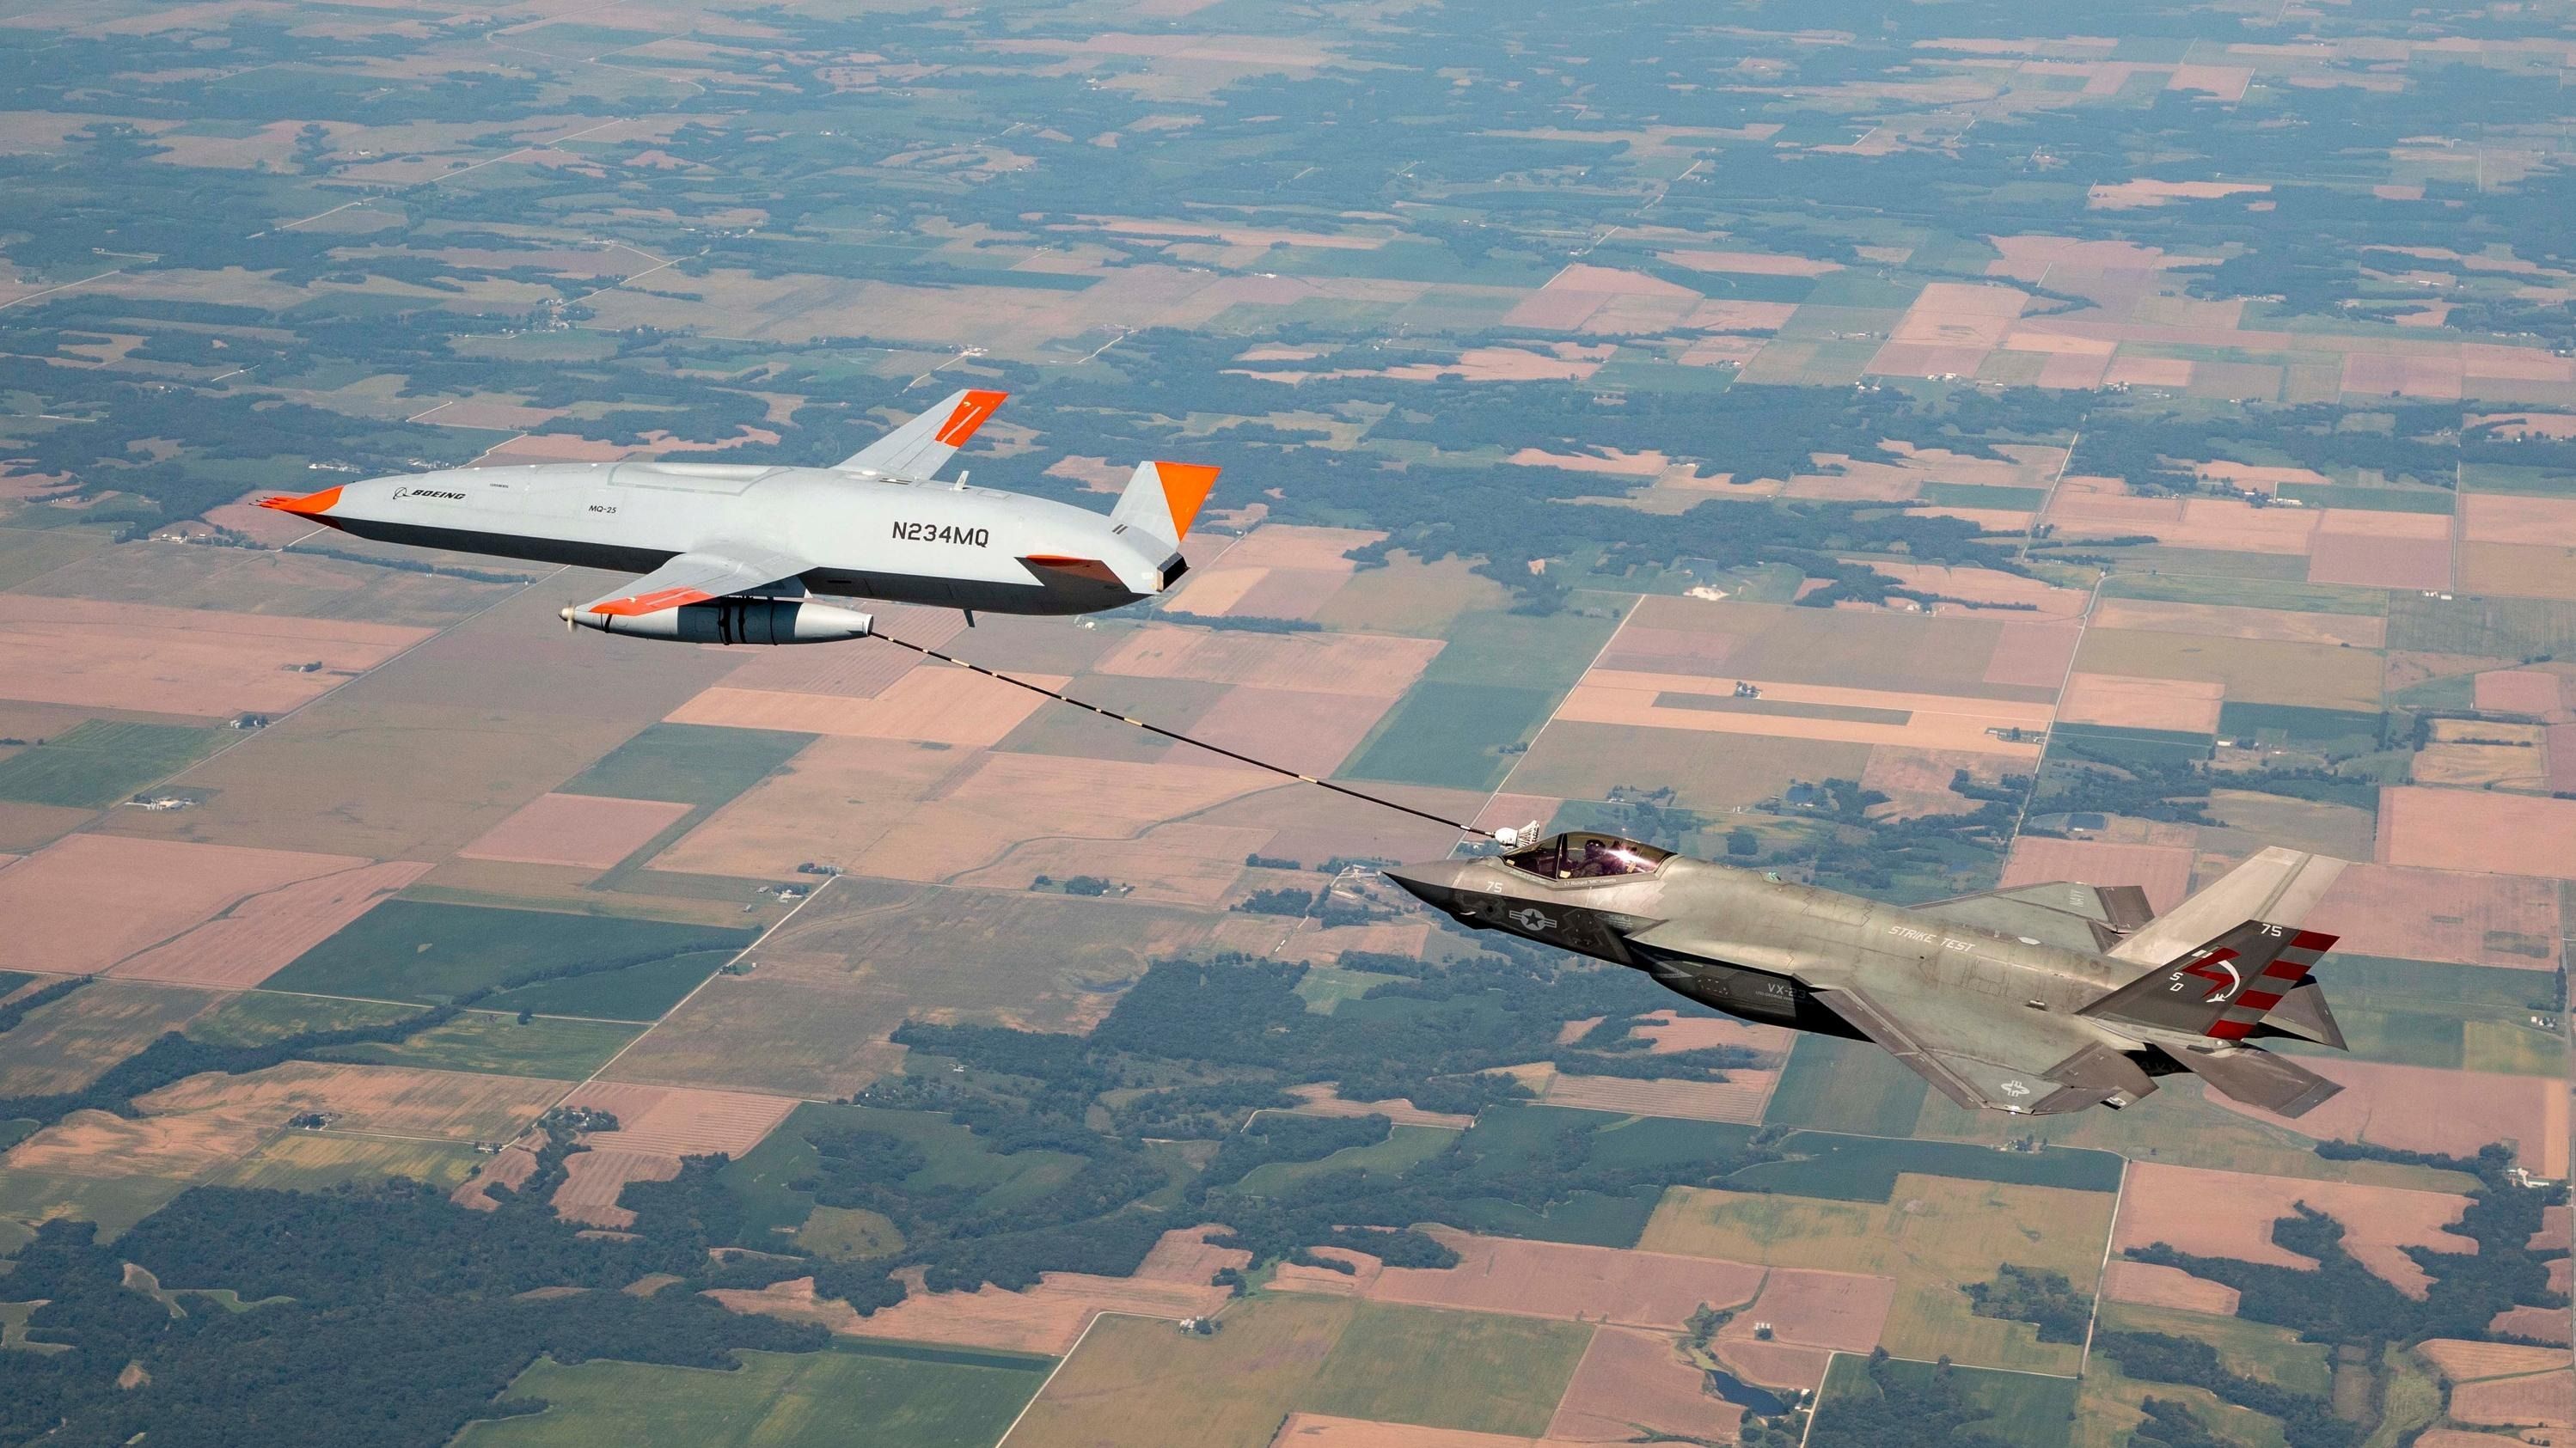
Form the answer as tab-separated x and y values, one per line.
656	1023
2102	1275
2039	766
1626	616
1068	1357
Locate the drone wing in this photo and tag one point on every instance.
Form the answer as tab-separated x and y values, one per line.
921	447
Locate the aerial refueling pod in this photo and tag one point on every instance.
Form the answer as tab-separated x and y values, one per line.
735	620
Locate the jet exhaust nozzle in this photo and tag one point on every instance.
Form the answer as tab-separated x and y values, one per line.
735	621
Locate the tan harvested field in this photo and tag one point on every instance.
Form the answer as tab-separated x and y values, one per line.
2462	1361
1009	800
1289	545
2151	1286
285	586
1215	592
87	902
2479	766
177	660
2472	831
1670	1032
1409	596
2418	1108
65	1045
178	1148
2171	1204
835	801
1047	1318
2188	705
1630	1381
1775	1364
1646	700
512	1167
1740	1097
2163	871
594	1180
1186	1257
2521	691
2540	1324
1843	1310
1319	1430
1172	864
2506	518
1329	1281
2362	631
1373	665
416	761
2262	671
580	831
2376	560
2519	570
1569	1283
260	934
1917	781
1308	731
2544	1400
1938	654
773	1032
1574	760
385	1100
1321	1100
934	704
1985	585
2033	655
679	1122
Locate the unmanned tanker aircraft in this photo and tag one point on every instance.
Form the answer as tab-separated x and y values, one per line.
729	552
2029	1000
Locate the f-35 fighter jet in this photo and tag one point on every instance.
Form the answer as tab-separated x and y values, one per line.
2035	1000
731	552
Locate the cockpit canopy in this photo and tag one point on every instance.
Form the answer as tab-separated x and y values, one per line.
1587	857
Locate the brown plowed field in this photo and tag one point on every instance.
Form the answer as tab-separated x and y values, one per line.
2507	518
1739	1098
2377	562
389	1100
180	660
257	937
1631	1381
2189	705
2163	871
2362	631
1843	1310
1559	1280
2468	830
2501	920
1186	1258
2545	1400
1177	864
679	1121
89	901
2151	1286
1326	1281
1316	1430
1047	1318
1289	545
2463	1361
1010	799
511	1168
2542	1324
1320	1100
1215	592
1308	731
2033	655
934	703
580	831
594	1180
2417	1108
839	798
1292	593
2519	570
180	1148
2520	691
1670	1032
1917	781
2230	1214
1374	665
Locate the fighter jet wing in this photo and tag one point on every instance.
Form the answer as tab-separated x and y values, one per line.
2089	918
699	575
1999	1062
921	447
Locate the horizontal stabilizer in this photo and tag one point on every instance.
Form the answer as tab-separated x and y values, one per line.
2303	1013
921	447
2260	1079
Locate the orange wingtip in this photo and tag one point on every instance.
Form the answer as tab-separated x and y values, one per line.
654	602
1185	487
310	505
968	416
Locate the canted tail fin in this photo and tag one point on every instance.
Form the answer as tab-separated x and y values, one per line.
2224	987
2274	884
1162	500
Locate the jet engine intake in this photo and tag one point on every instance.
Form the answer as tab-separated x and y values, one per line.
735	620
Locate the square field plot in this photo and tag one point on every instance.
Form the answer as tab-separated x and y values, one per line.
64	1044
591	832
179	660
410	950
2475	831
101	762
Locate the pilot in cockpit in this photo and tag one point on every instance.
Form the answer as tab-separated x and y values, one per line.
1587	857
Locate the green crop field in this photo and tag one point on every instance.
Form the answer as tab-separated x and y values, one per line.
695	764
1136	1383
2298	724
98	762
634	993
2250	593
114	1203
850	1395
2274	1354
1980	495
314	1161
1865	1169
1473	1371
257	1017
548	1047
1837	1085
2496	628
1508	1140
1404	1147
2029	1411
1453	734
419	951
